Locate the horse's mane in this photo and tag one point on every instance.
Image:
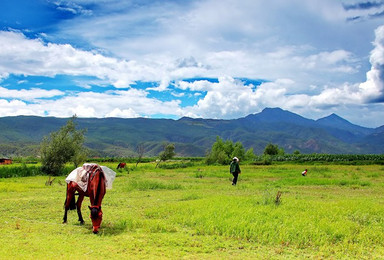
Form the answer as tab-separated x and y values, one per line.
101	185
97	172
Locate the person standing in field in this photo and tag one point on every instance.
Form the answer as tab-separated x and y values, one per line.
234	169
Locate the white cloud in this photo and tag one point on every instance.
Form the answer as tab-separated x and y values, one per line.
312	58
17	107
30	94
34	57
229	98
373	89
127	103
225	37
332	62
125	113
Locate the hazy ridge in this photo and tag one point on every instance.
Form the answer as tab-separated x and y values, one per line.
119	137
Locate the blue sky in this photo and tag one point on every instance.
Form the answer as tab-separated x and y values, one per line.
199	58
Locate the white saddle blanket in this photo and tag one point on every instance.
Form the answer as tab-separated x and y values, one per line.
80	176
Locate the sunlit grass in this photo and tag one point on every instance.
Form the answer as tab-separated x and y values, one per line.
335	212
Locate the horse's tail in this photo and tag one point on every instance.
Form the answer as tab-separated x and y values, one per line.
72	204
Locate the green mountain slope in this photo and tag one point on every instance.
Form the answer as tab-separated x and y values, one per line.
119	137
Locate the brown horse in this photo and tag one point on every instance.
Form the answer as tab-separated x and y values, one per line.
96	189
121	165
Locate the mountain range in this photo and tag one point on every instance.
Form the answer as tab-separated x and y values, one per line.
119	137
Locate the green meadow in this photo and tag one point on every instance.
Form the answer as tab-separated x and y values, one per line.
336	212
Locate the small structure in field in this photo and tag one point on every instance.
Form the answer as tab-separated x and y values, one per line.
5	161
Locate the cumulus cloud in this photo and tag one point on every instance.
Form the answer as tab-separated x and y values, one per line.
34	57
216	38
125	103
125	113
373	89
230	98
16	108
29	94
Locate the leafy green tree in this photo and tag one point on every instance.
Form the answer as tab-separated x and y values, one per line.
167	154
238	151
222	152
271	149
62	146
249	155
217	153
79	157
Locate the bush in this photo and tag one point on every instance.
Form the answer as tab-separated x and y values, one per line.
176	165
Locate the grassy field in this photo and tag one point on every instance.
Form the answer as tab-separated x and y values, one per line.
336	212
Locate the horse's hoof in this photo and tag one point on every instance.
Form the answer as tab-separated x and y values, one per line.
82	222
95	232
64	222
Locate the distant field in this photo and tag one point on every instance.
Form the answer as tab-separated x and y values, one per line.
195	213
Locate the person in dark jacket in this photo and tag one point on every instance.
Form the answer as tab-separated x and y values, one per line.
234	169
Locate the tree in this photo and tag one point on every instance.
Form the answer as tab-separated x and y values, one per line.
65	145
238	151
140	152
217	153
222	152
250	155
167	154
271	149
79	157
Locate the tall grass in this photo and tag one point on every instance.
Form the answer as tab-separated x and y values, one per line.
152	185
26	170
20	170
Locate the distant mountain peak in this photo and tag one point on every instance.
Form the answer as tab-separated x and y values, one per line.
274	110
337	122
335	116
332	119
278	115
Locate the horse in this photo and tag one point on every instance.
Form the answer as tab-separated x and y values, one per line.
96	190
121	165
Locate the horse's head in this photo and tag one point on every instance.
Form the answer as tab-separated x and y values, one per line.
96	217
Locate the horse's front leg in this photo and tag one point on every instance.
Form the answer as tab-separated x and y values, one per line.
65	215
78	205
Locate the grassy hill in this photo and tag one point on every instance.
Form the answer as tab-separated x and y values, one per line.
119	137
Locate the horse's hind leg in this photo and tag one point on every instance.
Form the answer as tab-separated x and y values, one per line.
78	204
67	205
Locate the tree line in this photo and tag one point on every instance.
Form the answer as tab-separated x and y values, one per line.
66	145
222	152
